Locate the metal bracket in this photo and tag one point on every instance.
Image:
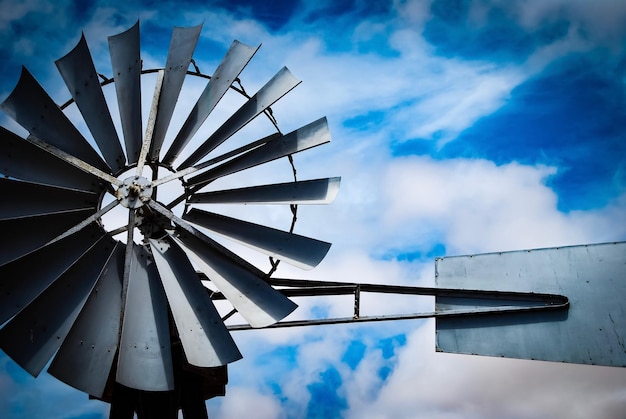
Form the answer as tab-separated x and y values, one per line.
485	302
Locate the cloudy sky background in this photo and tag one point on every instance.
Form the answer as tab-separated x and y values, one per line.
458	127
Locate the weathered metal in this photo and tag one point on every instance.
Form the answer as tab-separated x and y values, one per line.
182	45
592	331
145	357
85	358
303	252
79	74
311	135
257	302
33	336
232	64
318	191
31	107
126	65
278	86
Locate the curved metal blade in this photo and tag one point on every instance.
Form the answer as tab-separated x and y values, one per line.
273	90
318	191
25	278
31	107
206	341
85	358
236	58
24	235
79	74
20	159
126	65
145	357
311	135
300	251
182	45
34	335
258	303
24	199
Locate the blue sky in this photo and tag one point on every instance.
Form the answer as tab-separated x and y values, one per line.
458	127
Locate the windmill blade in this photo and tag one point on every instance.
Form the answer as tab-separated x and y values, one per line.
182	45
145	357
311	135
317	191
25	278
35	334
79	74
26	199
31	107
85	358
126	65
24	235
205	339
20	159
300	251
273	90
232	65
257	302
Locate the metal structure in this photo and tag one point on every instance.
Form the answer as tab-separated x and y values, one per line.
134	323
131	323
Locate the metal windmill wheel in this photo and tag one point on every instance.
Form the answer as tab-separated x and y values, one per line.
130	322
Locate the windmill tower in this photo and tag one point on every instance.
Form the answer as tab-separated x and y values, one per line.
123	312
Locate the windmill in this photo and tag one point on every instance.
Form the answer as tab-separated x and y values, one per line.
126	314
122	312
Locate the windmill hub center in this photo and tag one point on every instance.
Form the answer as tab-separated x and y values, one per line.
134	192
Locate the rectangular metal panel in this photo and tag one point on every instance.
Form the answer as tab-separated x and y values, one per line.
592	331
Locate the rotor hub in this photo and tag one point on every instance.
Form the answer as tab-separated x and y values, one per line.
134	192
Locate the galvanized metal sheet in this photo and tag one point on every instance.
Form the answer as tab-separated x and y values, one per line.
206	341
592	331
79	74
300	251
85	358
20	159
182	45
273	90
318	191
126	65
308	136
35	334
232	64
257	302
24	279
31	107
145	358
24	235
24	199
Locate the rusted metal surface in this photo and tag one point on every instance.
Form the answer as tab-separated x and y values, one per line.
592	331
